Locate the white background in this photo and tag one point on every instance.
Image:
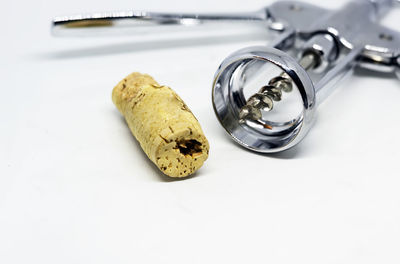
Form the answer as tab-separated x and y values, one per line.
75	187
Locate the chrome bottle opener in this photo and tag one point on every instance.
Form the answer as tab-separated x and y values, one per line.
265	97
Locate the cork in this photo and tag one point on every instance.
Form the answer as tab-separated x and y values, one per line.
166	129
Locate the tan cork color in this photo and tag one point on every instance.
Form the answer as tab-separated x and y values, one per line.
166	129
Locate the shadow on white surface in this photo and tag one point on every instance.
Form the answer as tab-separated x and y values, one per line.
299	151
373	74
148	45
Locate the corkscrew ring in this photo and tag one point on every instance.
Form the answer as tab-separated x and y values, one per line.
266	97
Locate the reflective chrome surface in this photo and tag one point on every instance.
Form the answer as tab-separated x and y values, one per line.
229	98
339	40
131	22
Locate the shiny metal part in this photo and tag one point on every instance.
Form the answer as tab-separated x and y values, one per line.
314	48
265	97
258	133
139	22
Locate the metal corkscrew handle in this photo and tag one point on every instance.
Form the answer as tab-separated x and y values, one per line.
327	45
139	22
381	44
323	45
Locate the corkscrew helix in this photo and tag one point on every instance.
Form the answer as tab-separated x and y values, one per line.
266	96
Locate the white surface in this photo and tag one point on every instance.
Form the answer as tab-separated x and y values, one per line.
76	188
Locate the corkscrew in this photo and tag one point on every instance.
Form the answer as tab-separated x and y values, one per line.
266	96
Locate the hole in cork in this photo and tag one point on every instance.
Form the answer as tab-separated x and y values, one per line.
189	147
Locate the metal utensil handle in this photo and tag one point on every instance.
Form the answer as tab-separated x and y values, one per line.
142	22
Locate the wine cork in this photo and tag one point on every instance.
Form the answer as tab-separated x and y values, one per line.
166	129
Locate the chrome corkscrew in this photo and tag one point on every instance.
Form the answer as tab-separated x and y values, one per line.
266	96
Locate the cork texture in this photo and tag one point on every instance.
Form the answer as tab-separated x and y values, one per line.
166	129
